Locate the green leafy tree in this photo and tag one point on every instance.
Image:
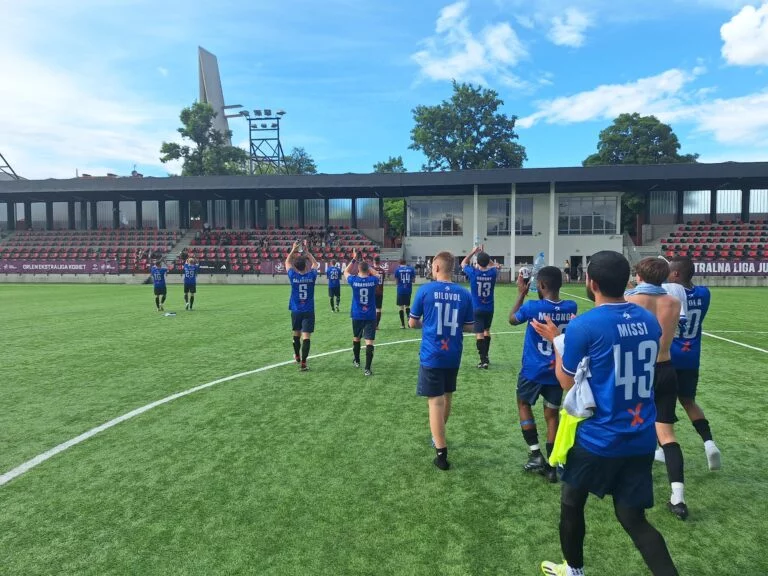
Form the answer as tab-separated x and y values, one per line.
209	152
300	162
467	132
394	208
635	139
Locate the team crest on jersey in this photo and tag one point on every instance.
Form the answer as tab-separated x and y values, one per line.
627	315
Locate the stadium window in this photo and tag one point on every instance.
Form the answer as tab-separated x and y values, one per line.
498	216
436	217
593	215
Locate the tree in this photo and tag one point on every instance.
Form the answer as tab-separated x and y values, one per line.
467	132
210	153
300	162
394	208
635	139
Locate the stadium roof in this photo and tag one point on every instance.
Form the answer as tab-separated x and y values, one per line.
728	175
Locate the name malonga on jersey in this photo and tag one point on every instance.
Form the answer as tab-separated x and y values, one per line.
632	329
731	267
448	296
556	317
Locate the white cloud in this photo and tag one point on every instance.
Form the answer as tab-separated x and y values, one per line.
736	121
456	53
162	71
568	29
745	37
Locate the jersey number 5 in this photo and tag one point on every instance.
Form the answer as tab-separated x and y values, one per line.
302	291
625	369
447	317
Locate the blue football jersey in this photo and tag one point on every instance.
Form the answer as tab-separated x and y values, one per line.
538	357
302	290
446	308
363	297
334	276
405	276
190	273
482	284
158	276
621	342
686	348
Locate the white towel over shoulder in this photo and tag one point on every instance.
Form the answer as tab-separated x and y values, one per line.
579	400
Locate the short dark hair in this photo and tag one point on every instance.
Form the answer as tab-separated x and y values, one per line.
402	261
158	262
610	271
483	259
551	277
363	267
377	259
653	270
300	263
684	265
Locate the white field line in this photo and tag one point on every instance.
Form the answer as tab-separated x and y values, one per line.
40	458
710	334
735	332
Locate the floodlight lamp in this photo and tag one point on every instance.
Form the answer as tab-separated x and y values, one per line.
267	112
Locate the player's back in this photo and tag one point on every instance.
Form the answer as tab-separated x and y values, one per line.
666	309
158	274
482	286
363	289
190	273
334	275
686	346
380	272
405	276
538	355
302	290
446	307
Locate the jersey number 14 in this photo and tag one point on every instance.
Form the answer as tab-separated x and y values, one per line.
447	318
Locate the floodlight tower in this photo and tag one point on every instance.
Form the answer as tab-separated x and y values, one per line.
265	154
6	171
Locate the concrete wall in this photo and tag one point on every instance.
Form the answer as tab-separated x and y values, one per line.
528	246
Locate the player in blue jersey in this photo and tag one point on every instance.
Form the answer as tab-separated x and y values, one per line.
405	276
333	273
613	453
444	311
362	311
191	269
158	272
302	274
482	284
537	373
651	273
686	352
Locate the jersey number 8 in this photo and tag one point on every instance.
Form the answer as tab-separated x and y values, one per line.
364	296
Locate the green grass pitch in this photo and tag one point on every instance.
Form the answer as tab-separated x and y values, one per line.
325	472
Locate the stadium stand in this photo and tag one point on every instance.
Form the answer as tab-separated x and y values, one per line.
242	250
732	240
131	249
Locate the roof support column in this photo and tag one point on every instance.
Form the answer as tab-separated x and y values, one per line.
713	205
212	214
326	212
301	217
204	212
71	223
139	215
230	219
475	232
10	213
28	215
49	215
512	230
94	215
382	221
115	214
261	213
277	213
552	223
161	214
745	215
354	213
680	207
83	215
241	213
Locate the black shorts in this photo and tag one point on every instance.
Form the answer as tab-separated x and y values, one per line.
404	299
334	291
483	321
192	288
687	382
436	381
529	392
629	479
161	291
365	329
379	301
665	392
303	321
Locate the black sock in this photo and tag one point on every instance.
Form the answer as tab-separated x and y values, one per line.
647	540
186	297
531	438
338	300
368	356
702	427
356	351
572	525
305	350
673	457
487	346
332	308
550	448
191	301
162	299
378	318
442	453
296	345
157	302
407	311
402	318
480	344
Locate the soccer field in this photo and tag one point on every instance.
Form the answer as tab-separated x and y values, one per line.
326	472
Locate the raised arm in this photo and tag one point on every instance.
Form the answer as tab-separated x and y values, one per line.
312	262
522	292
348	269
468	257
289	258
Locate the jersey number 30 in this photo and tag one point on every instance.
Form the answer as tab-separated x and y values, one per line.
447	317
625	369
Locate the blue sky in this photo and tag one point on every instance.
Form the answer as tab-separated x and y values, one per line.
97	85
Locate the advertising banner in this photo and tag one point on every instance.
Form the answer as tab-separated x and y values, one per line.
58	266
